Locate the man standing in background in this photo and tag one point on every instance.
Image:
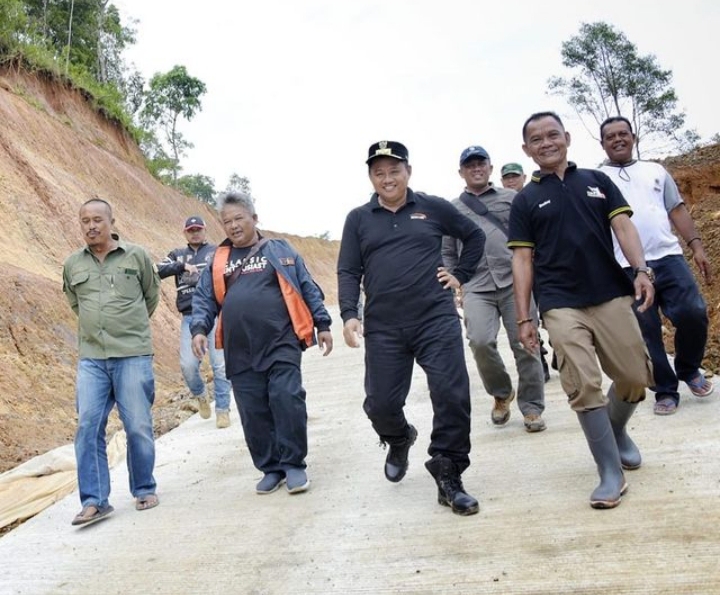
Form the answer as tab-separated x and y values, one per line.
186	264
487	297
512	176
657	208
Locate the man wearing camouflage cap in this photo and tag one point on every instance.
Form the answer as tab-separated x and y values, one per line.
512	176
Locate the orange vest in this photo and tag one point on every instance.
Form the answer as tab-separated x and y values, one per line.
298	310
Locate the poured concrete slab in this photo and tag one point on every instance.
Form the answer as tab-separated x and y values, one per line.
354	532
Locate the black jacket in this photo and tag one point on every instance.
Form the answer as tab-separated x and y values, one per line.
174	265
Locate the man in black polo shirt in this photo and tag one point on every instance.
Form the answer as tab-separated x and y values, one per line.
392	246
560	233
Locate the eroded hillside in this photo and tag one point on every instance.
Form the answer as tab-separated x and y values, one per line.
55	153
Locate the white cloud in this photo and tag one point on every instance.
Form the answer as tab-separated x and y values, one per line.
298	89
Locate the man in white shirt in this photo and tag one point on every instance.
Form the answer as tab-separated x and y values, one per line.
657	208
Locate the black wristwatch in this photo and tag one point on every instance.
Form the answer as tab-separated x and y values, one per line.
647	270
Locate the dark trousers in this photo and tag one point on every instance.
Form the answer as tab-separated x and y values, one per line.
437	346
677	296
273	415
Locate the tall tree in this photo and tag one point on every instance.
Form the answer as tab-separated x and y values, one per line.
197	185
613	79
239	184
13	23
88	34
170	96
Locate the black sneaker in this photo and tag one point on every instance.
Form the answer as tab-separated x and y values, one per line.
396	463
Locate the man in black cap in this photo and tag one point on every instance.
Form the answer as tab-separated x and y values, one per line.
487	297
391	245
186	264
513	177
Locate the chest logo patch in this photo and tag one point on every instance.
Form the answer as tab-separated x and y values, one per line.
544	204
418	216
256	264
595	192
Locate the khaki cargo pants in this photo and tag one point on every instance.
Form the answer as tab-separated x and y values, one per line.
609	334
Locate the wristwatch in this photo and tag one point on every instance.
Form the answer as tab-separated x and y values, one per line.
647	270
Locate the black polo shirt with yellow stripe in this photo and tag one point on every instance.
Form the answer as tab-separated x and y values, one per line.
567	224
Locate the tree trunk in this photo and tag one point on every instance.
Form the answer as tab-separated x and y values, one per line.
69	41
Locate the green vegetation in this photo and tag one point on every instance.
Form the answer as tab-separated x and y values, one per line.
613	79
81	44
170	96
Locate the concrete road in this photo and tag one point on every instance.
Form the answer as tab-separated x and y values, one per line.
354	532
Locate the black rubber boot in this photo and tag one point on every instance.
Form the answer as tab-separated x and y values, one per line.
396	462
601	440
620	412
450	488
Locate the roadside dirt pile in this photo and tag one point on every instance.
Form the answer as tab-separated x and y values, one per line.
698	177
55	153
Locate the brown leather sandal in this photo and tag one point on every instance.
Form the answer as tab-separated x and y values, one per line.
91	514
146	502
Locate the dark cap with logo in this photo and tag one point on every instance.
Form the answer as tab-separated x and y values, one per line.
511	168
194	222
476	152
387	148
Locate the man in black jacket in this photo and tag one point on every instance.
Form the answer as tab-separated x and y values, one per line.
186	264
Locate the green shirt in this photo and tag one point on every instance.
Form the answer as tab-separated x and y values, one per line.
113	299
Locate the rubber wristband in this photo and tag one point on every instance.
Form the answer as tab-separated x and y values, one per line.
523	321
692	240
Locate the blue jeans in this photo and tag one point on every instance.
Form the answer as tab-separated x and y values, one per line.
190	366
677	296
101	384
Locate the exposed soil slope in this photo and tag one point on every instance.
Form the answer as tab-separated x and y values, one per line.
698	177
55	153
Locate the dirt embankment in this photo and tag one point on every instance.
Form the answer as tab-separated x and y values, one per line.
698	177
55	153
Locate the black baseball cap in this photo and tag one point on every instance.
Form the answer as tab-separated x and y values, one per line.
194	221
387	148
476	151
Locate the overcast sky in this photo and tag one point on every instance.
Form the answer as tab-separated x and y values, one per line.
298	89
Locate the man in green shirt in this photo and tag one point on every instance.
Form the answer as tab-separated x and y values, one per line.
113	287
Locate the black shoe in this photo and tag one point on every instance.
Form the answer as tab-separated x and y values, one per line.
396	463
450	487
553	362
